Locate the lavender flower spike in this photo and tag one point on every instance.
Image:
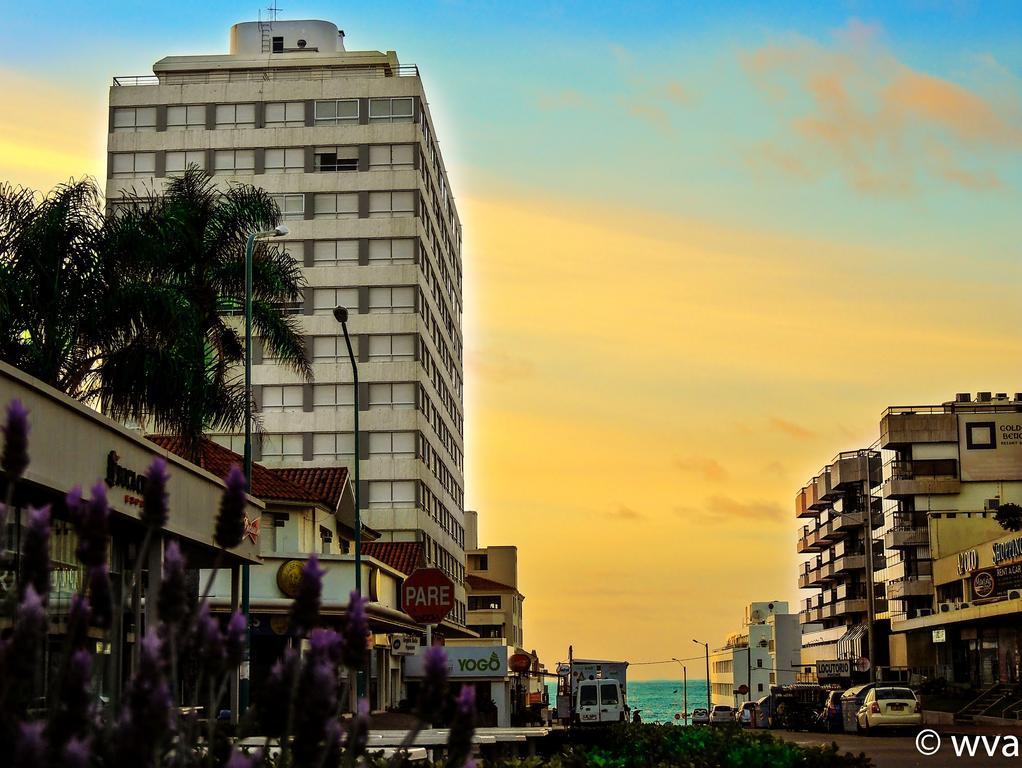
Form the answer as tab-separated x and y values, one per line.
92	527
14	459
358	733
36	551
30	749
101	596
234	639
459	741
155	508
230	523
172	602
356	632
433	692
77	754
241	760
305	608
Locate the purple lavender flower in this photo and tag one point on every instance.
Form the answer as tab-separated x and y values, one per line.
73	708
100	596
325	643
305	608
29	746
14	459
145	723
78	621
433	692
230	523
234	639
356	632
155	509
241	760
73	501
92	527
35	569
334	743
207	638
276	693
77	754
30	624
172	602
459	741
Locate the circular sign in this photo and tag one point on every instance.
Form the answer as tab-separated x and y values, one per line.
289	577
743	689
279	624
862	664
520	662
983	584
427	595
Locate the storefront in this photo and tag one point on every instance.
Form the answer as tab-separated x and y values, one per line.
483	666
72	445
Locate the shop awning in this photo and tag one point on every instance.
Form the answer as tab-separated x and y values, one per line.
849	645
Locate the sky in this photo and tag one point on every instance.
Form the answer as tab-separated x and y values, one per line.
706	244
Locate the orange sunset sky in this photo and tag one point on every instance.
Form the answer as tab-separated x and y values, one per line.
704	249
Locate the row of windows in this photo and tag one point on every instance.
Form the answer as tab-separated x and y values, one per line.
432	505
382	298
484	602
344	205
436	464
276	114
290	397
434	372
438	556
277	160
440	285
445	255
435	419
332	253
446	358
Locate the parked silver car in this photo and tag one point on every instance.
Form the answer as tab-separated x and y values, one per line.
722	714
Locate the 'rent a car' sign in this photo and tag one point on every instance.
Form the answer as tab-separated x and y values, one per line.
427	595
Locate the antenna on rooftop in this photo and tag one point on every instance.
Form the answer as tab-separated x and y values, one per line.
273	10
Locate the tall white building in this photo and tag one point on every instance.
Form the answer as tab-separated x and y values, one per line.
345	143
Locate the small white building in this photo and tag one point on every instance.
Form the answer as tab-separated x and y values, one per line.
474	662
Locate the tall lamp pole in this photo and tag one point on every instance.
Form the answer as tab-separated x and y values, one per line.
684	706
341	315
706	646
243	681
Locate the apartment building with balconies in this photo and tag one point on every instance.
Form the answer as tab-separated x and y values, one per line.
841	510
344	142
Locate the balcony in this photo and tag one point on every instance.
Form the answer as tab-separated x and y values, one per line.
811	541
910	587
802	502
813	575
847	606
905	538
922	476
849	563
901	427
820	490
850	469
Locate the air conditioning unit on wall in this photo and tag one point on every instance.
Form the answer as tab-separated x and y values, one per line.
947	607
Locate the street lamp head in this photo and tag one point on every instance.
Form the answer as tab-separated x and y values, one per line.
341	314
281	231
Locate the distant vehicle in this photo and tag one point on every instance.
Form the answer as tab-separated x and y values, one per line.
592	673
599	701
700	716
722	714
764	707
830	716
890	708
851	703
745	716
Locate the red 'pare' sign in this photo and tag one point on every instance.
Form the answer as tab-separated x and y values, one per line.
427	595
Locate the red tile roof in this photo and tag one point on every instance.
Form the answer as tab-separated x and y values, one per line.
326	482
267	484
479	582
403	556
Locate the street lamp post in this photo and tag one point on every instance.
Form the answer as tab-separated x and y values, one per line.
684	673
243	680
706	646
341	315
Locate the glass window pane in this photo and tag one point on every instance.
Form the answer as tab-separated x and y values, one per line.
326	109
404	346
124	118
123	163
275	112
224	114
348	109
245	113
404	443
404	492
403	250
402	154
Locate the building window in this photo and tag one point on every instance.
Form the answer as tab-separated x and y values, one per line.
282	447
281	114
277	45
340	205
134	119
336	158
336	112
234	443
282	398
333	395
324	300
333	252
294	248
235	115
292	206
333	445
291	160
188	117
384	348
332	349
391	110
234	160
484	602
392	251
392	444
393	300
391	204
391	156
398	395
391	493
132	163
177	162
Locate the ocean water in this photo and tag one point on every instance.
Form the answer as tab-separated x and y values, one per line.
658	700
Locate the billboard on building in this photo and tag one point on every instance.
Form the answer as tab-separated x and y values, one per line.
990	446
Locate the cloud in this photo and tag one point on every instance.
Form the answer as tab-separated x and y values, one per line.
707	468
566	98
724	509
625	513
852	107
791	428
649	111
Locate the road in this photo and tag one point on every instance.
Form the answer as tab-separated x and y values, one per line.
899	751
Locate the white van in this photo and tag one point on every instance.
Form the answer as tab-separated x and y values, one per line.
599	701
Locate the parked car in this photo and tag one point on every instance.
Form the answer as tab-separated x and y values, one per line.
700	716
722	714
830	716
745	715
763	710
886	707
851	703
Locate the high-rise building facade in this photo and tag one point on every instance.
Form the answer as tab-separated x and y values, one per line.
345	143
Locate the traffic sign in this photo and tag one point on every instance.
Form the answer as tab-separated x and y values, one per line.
427	595
743	689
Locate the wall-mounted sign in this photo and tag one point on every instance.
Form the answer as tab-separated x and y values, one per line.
403	645
1008	550
116	475
289	577
990	446
968	561
486	661
833	668
939	636
995	582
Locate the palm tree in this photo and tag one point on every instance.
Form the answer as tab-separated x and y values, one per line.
133	309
